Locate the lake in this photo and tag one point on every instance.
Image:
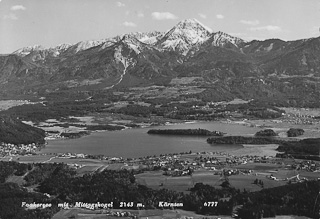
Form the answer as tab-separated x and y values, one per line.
137	143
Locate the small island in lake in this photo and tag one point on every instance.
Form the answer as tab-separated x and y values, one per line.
74	134
266	132
292	132
199	131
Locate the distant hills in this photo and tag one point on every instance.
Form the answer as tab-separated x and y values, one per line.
283	72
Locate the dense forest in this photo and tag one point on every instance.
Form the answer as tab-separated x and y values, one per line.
64	185
294	199
199	131
57	110
16	132
309	146
11	198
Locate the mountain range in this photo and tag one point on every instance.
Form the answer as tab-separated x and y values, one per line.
283	72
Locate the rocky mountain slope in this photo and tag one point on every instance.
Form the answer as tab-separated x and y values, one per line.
275	70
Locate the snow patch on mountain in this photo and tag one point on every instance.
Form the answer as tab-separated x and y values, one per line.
148	37
126	62
269	48
221	39
84	45
27	50
61	47
57	50
108	43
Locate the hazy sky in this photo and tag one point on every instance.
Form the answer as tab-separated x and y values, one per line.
52	22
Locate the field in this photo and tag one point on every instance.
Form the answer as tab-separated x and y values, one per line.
16	179
151	179
246	182
180	184
207	177
116	166
257	150
309	175
258	167
89	169
32	159
6	104
5	158
157	180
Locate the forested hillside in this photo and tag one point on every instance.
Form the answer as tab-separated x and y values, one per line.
16	132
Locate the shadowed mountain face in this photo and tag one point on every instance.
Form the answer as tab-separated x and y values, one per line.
276	70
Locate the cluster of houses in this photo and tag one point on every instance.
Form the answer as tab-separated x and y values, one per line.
178	165
297	118
221	163
72	155
7	149
307	165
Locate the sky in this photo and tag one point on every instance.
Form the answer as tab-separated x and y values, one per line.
53	22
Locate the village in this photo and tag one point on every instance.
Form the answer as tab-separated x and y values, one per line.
7	149
185	164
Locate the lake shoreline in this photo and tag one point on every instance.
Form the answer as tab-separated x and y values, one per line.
135	142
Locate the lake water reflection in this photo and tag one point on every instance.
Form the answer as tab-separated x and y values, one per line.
137	143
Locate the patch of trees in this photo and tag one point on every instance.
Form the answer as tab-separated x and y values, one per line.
309	146
243	140
258	182
54	110
11	198
42	171
36	112
265	113
293	199
12	168
292	132
16	132
266	132
199	131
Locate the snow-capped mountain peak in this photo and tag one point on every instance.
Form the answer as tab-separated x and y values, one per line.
185	35
193	24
